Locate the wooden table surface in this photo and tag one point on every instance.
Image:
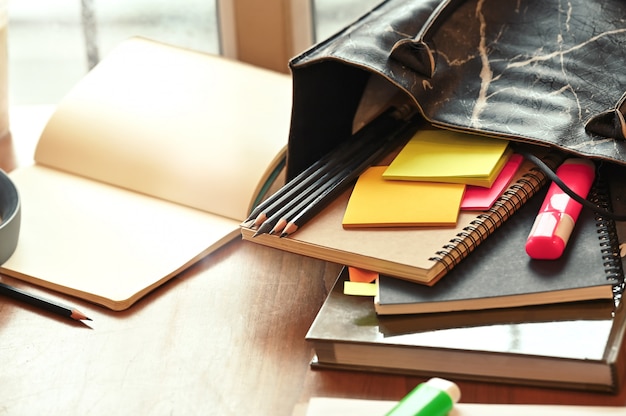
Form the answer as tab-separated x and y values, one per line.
226	337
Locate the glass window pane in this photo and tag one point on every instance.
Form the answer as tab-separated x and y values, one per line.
188	23
48	46
331	16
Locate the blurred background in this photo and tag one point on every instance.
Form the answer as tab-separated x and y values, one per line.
52	43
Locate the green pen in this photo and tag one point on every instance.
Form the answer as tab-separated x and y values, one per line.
436	397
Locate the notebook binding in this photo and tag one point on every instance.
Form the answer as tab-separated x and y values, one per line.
485	224
609	240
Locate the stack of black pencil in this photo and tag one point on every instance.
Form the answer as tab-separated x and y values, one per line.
304	196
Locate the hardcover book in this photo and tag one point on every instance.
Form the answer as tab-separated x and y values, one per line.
576	345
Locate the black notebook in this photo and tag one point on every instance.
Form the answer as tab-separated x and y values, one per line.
572	345
500	274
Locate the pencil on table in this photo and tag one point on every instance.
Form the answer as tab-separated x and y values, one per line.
42	303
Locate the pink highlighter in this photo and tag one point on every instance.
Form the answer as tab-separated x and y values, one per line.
558	214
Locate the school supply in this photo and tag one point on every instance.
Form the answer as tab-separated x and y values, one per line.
144	168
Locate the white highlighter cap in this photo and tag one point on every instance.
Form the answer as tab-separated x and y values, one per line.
450	388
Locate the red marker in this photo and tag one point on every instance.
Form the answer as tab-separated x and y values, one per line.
558	214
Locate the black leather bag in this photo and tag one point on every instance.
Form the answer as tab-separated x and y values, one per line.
539	71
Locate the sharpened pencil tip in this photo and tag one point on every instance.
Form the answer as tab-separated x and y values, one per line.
247	224
263	229
79	316
289	229
259	220
278	228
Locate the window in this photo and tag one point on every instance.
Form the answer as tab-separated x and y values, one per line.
49	41
52	43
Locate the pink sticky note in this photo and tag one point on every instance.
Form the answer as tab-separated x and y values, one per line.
478	198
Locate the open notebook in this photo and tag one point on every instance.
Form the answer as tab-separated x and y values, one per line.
149	163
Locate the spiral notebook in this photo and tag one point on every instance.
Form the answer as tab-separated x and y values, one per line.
499	274
418	254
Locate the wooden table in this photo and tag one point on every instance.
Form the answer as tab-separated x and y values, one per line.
226	338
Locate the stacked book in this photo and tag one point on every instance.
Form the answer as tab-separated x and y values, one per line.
455	293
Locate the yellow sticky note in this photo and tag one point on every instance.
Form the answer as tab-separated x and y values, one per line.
376	202
451	157
360	288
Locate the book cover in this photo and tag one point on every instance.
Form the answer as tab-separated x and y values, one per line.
571	346
500	274
144	168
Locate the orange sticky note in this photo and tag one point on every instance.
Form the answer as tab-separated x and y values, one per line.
361	275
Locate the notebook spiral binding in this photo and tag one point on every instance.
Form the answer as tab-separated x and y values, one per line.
609	241
485	224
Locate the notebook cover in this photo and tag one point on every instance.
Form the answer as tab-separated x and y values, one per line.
499	273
